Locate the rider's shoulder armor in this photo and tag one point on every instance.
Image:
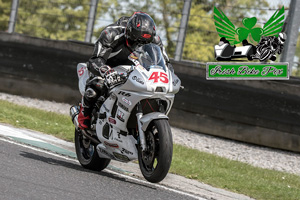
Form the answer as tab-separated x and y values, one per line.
110	35
122	21
113	32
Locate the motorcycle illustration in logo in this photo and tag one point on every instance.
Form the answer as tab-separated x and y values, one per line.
270	39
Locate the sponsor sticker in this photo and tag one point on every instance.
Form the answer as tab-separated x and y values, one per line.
175	82
133	56
111	145
138	79
81	71
124	94
120	116
123	107
112	120
128	102
126	151
105	108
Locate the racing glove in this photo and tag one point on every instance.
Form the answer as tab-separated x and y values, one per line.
112	78
103	70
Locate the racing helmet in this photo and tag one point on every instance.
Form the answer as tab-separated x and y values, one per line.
281	37
140	30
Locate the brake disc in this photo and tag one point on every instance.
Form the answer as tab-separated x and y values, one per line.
148	155
86	142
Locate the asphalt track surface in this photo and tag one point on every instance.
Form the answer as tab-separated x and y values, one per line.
29	173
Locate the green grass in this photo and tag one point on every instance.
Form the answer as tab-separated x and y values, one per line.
210	169
47	122
235	176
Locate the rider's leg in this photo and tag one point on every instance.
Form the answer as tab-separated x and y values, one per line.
88	101
94	89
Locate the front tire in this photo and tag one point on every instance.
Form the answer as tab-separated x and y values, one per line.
155	162
265	54
87	154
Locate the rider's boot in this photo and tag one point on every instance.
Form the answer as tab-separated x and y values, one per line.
88	102
84	118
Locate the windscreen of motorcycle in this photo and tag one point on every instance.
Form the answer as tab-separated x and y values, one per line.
150	56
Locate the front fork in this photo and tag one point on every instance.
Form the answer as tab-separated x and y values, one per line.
139	115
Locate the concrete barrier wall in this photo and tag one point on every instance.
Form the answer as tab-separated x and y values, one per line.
239	110
260	112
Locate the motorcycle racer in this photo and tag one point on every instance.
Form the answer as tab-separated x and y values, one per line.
116	42
275	42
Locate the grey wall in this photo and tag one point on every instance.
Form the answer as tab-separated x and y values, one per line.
260	112
41	68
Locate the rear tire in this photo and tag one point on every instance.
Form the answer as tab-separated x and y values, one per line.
87	154
273	58
155	162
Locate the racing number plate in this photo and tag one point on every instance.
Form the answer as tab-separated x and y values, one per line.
159	77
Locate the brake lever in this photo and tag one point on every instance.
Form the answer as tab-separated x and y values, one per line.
124	76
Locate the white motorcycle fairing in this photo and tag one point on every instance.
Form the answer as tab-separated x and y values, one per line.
130	122
112	131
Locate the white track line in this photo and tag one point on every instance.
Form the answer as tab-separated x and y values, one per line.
108	170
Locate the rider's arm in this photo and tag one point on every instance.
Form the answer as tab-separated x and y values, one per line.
263	40
102	50
280	48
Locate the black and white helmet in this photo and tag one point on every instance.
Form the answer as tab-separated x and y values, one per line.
140	29
282	37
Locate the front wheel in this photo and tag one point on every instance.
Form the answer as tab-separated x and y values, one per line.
265	54
87	154
155	162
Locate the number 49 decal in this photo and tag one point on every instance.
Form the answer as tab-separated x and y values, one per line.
162	77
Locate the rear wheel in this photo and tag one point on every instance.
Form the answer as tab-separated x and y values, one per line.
155	162
87	154
273	58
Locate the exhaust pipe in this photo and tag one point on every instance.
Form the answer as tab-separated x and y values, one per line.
74	111
94	140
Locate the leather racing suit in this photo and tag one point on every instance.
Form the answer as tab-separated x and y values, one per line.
111	49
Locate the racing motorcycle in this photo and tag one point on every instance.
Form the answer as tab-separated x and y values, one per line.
268	50
131	122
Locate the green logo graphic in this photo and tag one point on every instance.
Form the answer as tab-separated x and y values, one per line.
226	28
250	71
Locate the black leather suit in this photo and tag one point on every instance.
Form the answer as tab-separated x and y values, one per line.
111	49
